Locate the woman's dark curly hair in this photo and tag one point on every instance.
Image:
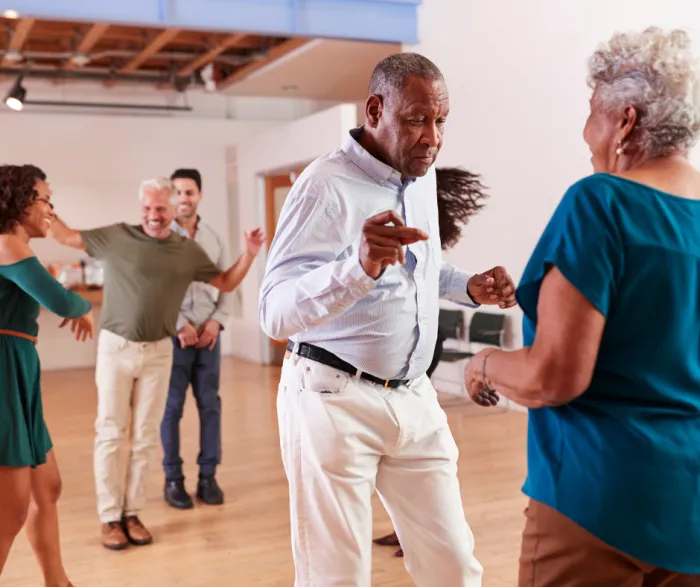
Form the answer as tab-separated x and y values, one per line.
459	195
17	193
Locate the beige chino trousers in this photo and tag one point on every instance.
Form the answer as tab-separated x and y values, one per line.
132	387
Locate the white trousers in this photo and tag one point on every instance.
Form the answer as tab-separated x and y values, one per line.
132	387
343	437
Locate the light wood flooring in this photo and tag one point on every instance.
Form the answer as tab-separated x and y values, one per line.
245	543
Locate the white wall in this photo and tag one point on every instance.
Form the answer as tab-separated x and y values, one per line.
516	72
283	148
94	165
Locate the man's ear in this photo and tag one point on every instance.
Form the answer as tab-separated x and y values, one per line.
373	110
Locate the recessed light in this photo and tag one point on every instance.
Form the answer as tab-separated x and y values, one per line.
10	14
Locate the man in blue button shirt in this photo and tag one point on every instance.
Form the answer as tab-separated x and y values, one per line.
353	279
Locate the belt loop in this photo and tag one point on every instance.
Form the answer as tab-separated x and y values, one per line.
295	355
358	375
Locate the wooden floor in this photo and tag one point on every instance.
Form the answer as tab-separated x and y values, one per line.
245	543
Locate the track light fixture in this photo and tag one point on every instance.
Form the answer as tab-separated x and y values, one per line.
15	97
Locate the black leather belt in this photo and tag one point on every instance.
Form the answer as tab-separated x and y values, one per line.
325	357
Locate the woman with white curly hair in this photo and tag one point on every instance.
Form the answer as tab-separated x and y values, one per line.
610	370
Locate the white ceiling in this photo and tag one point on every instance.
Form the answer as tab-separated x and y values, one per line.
321	70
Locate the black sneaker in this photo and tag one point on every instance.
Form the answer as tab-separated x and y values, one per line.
176	495
209	492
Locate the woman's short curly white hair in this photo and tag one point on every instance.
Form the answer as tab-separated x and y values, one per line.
655	72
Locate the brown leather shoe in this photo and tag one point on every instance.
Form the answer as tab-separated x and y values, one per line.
388	540
113	536
136	532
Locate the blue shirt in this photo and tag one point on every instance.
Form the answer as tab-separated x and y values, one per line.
623	460
315	289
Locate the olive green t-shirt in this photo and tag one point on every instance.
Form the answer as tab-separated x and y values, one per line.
145	279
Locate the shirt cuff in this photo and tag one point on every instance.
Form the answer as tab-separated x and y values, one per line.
458	290
475	304
357	280
219	317
181	321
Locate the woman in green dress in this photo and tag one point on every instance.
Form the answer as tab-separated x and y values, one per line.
29	480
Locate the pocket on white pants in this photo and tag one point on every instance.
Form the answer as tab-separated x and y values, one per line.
108	342
322	379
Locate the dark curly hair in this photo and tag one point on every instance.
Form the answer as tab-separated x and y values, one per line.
17	193
459	195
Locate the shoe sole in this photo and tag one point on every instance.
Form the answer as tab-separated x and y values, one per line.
116	546
202	500
141	542
186	506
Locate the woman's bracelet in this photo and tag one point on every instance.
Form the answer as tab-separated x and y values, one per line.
487	387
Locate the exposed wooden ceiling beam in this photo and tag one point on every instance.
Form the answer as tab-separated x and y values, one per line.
151	49
208	57
273	55
19	36
88	41
91	38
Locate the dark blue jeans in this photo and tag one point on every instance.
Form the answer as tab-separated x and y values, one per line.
200	368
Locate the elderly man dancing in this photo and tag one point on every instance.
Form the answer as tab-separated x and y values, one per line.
353	279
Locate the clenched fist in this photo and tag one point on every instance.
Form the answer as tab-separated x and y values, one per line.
383	239
493	287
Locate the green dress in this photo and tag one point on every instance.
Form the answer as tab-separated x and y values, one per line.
25	287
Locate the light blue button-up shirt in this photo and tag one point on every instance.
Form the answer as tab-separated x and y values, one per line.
315	289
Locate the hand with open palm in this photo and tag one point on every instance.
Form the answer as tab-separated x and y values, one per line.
254	239
83	327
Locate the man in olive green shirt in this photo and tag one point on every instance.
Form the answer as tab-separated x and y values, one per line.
148	269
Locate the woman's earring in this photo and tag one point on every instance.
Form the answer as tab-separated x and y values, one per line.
620	149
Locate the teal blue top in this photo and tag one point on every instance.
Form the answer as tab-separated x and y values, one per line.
27	285
623	460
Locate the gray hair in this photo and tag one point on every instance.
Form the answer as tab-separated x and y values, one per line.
655	72
158	184
392	72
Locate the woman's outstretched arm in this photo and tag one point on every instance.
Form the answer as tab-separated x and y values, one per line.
19	264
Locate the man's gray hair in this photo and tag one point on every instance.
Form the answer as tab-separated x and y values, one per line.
158	184
392	72
656	72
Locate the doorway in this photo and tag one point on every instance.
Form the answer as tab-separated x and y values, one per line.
276	189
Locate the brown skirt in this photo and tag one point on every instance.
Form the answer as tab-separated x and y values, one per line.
556	552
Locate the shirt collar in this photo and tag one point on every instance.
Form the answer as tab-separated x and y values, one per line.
376	169
181	230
